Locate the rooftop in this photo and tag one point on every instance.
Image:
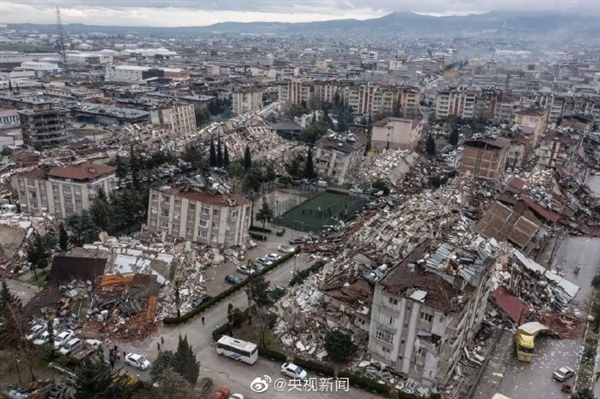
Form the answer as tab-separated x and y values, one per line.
83	171
207	197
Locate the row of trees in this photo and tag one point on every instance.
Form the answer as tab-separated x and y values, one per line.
219	155
302	168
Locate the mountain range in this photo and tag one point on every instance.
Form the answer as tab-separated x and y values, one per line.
400	23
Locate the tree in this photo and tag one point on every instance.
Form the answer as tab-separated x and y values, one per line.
38	254
294	168
213	53
212	160
342	126
270	173
173	386
235	169
453	137
314	132
430	145
596	282
584	393
121	166
63	237
96	380
219	153
253	179
259	290
83	228
164	361
309	167
264	214
185	361
247	159
177	287
225	156
396	110
101	211
363	121
339	346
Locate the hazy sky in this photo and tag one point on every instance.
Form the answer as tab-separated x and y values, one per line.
207	12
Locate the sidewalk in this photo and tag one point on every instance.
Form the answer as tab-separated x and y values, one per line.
494	372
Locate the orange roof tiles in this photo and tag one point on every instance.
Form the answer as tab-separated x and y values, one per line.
84	171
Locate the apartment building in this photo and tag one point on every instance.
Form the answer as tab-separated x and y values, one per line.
45	127
295	91
534	118
426	310
337	159
62	190
558	149
485	159
136	73
9	118
469	103
397	133
246	100
200	215
178	118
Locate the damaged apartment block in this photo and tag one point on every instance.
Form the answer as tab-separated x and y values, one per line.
428	308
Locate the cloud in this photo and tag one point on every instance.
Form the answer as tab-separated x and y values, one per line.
206	12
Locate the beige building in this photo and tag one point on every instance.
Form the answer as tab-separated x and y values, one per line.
426	310
179	118
558	149
246	100
62	190
397	133
336	159
485	159
200	215
534	118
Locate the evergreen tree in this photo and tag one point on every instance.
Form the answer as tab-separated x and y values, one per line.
185	361
164	361
225	156
259	290
7	298
83	228
309	167
247	159
265	213
314	117
63	237
342	126
363	121
38	253
135	166
219	153
212	160
101	211
453	137
121	166
396	110
430	145
339	346
96	380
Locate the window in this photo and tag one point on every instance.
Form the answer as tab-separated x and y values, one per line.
55	187
66	189
77	191
177	202
31	183
189	231
234	213
203	234
77	202
164	213
384	336
192	207
385	319
213	237
216	212
214	225
392	301
68	201
167	199
205	210
164	223
426	317
154	197
385	351
191	218
421	351
230	237
203	222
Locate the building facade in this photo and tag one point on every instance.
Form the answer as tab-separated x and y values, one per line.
485	159
425	312
246	100
63	190
397	133
558	149
200	215
9	118
45	128
337	160
179	118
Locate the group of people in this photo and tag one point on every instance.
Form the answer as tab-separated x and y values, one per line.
114	356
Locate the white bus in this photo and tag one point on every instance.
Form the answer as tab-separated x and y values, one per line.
236	349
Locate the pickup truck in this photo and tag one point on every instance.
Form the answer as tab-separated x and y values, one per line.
90	346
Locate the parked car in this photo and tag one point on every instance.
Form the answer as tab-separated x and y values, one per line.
280	232
36	331
259	267
297	240
264	261
71	347
42	339
62	338
236	396
286	249
293	371
233	279
221	393
244	269
137	361
273	256
563	374
199	301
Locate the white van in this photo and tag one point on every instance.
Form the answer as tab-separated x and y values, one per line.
322	183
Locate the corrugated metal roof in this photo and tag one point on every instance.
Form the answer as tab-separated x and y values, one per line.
510	304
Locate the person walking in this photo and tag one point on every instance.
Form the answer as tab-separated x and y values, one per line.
162	341
202	320
158	346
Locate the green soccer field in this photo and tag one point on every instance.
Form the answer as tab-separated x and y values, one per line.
323	210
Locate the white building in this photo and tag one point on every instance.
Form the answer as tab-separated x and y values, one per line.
397	133
200	215
246	100
9	118
89	58
41	68
62	190
126	73
179	118
337	159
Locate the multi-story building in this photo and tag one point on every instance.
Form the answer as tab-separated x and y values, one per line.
558	149
136	73
62	190
535	118
177	118
337	159
485	158
9	118
200	215
468	103
45	127
426	310
295	91
397	133
246	100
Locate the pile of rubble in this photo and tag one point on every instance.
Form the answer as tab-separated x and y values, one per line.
389	165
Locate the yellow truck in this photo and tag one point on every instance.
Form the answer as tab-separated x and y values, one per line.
525	340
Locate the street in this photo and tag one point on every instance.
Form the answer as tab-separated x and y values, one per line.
534	380
223	371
